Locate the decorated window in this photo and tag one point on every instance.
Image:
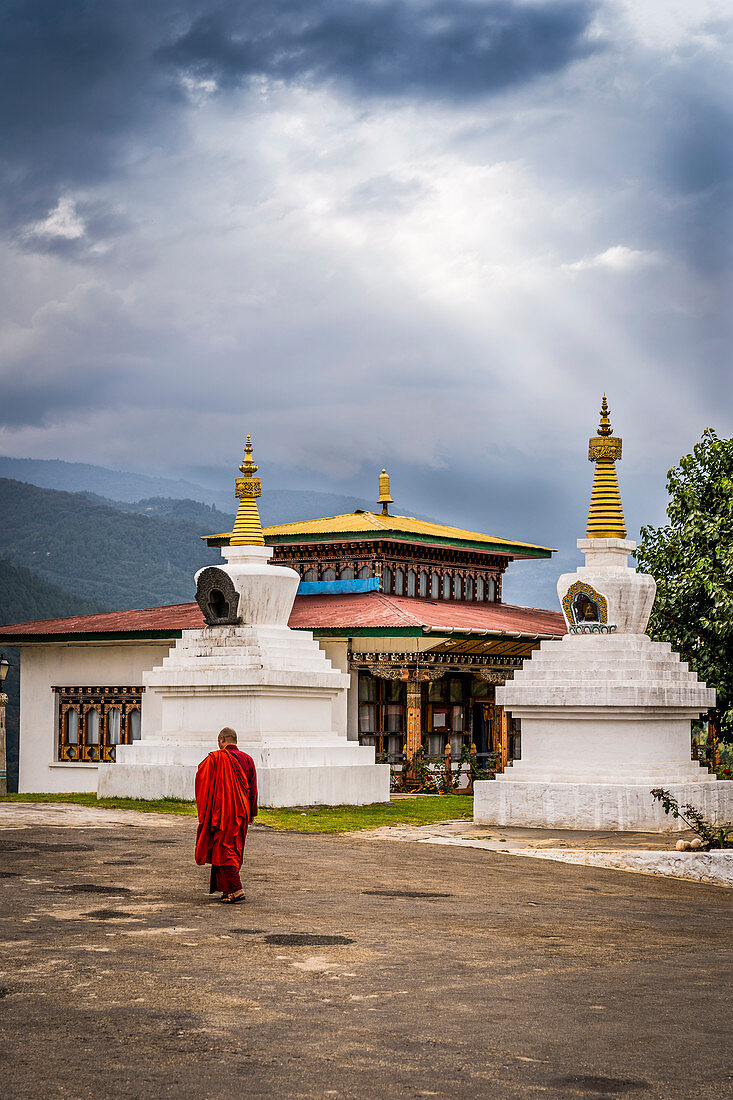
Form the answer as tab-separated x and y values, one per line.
480	589
491	589
310	575
328	575
469	588
411	582
422	584
346	574
381	713
399	582
93	721
446	587
457	588
434	586
365	572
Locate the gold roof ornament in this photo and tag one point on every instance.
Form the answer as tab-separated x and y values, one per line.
384	497
247	529
605	515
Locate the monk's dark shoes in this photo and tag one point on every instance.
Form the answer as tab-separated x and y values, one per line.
231	899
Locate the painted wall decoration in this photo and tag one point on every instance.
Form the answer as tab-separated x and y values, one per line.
582	605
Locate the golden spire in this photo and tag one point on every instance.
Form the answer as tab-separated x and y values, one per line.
605	515
384	498
247	527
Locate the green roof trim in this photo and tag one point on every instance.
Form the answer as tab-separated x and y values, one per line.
511	550
92	636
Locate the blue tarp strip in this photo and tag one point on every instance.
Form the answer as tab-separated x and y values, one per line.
333	588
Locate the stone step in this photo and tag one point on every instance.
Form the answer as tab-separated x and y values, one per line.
651	774
536	674
250	662
330	750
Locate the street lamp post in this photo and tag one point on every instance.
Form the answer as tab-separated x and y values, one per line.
4	666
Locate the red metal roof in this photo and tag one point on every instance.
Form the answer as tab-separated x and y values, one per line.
354	611
374	609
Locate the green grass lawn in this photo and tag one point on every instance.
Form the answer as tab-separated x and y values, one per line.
314	819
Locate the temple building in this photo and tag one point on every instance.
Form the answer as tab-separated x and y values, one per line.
412	609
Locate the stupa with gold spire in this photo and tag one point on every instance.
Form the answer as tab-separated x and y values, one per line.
605	712
605	515
247	530
247	669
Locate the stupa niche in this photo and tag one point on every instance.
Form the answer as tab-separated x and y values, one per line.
605	711
247	669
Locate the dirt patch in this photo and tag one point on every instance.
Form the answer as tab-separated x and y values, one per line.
108	914
306	939
599	1086
90	888
405	894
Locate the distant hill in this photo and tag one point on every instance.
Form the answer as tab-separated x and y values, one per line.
208	519
116	488
120	560
77	477
24	596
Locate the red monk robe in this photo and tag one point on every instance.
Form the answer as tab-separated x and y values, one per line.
226	798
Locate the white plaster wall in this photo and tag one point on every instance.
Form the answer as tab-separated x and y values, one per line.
394	644
352	706
587	743
71	665
337	653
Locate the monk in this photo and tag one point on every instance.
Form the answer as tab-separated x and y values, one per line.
226	799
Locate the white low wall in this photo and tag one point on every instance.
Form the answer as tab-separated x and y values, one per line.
615	806
333	785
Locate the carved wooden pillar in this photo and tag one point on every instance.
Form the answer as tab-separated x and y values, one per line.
502	732
413	741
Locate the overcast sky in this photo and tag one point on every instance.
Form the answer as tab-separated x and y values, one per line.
426	234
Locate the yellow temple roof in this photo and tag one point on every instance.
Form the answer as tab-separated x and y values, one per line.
362	521
363	524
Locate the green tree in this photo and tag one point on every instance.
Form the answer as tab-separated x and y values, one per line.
691	560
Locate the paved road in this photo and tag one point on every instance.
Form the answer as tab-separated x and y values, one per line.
460	973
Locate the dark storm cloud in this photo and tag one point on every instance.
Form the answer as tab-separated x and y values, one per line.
70	391
446	48
77	83
86	89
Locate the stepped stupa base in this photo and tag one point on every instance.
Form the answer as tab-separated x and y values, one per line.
299	784
274	686
620	807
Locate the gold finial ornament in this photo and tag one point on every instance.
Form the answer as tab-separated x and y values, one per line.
384	498
606	514
247	529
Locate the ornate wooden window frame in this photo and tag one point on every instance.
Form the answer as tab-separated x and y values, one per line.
104	700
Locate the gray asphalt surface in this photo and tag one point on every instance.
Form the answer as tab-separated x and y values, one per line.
461	973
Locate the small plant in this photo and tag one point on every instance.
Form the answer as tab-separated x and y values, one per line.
423	779
712	836
470	757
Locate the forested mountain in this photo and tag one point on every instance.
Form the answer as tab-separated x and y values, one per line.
119	488
24	596
275	506
79	477
209	520
118	559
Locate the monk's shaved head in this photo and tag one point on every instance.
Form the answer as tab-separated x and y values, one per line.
228	736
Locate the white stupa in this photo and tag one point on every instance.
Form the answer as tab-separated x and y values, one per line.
247	669
605	711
